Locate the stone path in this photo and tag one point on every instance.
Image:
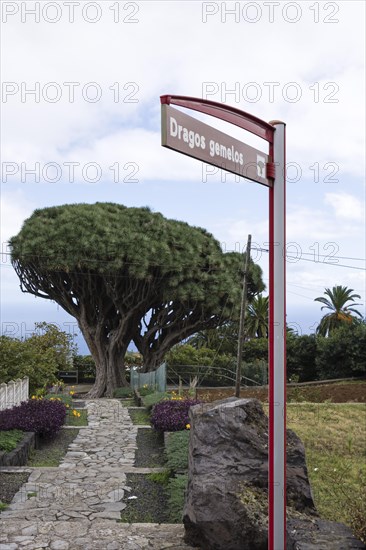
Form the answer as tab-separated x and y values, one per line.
77	505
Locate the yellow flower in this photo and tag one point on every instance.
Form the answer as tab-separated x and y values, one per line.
188	426
71	392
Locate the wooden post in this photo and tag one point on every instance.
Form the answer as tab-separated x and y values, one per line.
242	318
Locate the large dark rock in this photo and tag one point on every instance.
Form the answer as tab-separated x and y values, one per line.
226	505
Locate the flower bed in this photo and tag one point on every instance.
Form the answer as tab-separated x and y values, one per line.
45	417
171	415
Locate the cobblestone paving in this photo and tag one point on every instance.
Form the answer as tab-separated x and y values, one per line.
77	505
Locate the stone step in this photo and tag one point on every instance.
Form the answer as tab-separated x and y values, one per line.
98	534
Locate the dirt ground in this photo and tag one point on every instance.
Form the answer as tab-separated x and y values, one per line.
347	392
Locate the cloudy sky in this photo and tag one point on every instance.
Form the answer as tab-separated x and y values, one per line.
81	123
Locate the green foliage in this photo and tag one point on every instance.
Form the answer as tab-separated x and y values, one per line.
10	439
133	359
120	270
65	398
79	418
301	357
343	352
177	487
218	293
341	313
256	321
210	368
146	390
159	477
223	339
255	373
333	436
123	393
140	416
150	400
185	361
39	357
85	364
176	451
356	508
255	349
109	237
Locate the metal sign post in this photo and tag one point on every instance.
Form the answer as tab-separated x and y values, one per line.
198	140
277	348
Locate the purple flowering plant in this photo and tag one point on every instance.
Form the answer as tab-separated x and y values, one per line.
171	415
42	416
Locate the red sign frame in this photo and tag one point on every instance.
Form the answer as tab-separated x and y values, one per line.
275	134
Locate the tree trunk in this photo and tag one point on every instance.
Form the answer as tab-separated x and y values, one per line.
116	376
99	386
109	362
152	360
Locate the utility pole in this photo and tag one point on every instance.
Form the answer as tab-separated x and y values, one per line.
242	318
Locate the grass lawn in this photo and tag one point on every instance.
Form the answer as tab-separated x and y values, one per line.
10	439
334	436
128	402
76	420
51	451
141	416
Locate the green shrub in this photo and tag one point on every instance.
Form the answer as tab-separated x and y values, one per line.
66	399
176	451
176	489
145	390
40	356
10	439
255	371
160	477
343	352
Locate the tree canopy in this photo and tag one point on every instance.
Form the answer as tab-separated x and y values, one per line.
215	301
256	322
341	311
126	273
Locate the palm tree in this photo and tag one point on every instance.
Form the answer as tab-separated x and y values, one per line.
256	321
340	312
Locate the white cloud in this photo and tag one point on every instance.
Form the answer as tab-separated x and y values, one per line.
170	50
15	208
346	206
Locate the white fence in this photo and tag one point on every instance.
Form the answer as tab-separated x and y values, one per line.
13	393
